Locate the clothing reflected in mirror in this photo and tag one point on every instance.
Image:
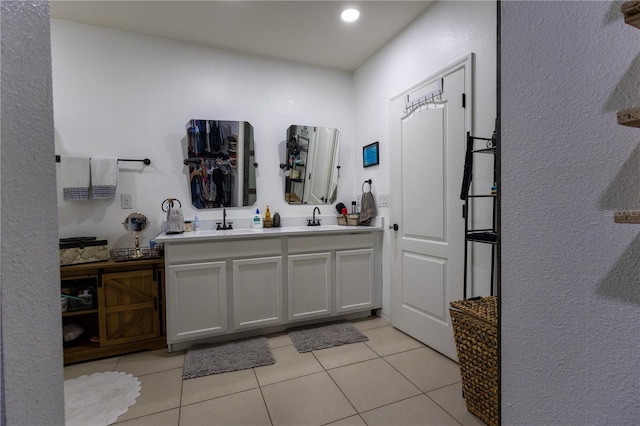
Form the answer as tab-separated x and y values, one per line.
311	165
221	161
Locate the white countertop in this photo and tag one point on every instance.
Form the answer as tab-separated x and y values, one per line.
302	230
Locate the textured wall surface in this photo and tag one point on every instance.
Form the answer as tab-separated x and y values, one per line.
570	277
445	33
31	325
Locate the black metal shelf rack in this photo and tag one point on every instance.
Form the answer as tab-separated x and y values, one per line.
483	236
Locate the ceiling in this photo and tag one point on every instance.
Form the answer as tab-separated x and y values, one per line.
304	31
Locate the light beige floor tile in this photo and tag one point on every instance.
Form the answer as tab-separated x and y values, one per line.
100	366
244	408
419	410
450	398
371	384
349	421
426	368
278	340
369	323
388	340
165	418
160	392
217	385
344	355
289	365
142	363
308	400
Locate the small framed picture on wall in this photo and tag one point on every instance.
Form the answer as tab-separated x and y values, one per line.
370	155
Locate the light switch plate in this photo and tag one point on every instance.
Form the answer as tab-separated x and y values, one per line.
125	201
383	200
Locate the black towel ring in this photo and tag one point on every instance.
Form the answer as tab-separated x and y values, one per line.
366	181
168	203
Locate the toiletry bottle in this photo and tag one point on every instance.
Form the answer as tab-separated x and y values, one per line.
196	223
257	220
267	214
85	298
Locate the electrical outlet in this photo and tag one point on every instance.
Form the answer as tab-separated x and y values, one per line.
125	201
383	200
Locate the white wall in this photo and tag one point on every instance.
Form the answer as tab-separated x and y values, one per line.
31	333
446	32
119	94
570	276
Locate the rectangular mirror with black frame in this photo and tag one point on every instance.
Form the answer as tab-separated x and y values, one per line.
311	165
221	161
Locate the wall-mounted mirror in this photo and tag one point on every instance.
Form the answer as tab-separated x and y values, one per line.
311	165
221	160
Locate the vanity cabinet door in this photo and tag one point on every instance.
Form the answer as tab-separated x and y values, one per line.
257	292
309	285
354	280
196	300
128	307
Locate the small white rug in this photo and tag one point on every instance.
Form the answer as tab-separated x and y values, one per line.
98	399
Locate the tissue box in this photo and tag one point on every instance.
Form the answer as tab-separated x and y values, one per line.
82	250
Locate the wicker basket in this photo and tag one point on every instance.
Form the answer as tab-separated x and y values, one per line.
348	219
475	329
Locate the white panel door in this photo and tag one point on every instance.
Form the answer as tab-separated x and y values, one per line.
354	280
427	251
309	282
257	292
196	300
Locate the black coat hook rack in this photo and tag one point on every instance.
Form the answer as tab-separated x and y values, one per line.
146	161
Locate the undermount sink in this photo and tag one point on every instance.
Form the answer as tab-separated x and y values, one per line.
332	227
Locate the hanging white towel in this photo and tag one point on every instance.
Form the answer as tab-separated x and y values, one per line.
75	178
104	178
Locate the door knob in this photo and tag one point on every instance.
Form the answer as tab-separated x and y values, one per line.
394	226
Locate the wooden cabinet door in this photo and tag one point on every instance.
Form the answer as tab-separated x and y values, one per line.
128	307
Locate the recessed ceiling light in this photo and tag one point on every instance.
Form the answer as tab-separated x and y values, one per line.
350	15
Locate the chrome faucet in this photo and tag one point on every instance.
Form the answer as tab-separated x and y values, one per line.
314	221
224	225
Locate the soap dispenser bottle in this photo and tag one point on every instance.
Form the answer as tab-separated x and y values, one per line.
257	220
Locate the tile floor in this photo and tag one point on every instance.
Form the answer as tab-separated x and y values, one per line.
391	379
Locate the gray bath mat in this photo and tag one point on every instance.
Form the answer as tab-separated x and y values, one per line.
204	359
321	336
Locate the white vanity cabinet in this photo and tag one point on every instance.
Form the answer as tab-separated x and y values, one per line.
215	288
248	282
196	300
336	274
257	292
309	285
354	280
